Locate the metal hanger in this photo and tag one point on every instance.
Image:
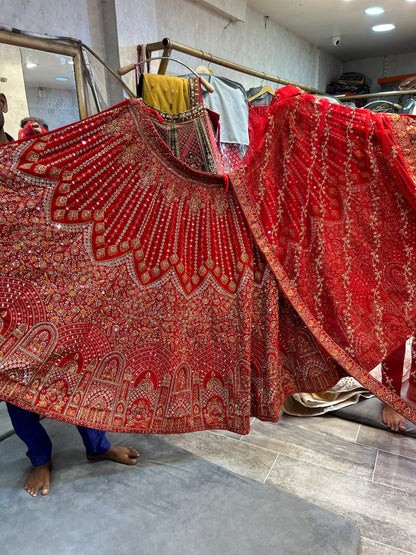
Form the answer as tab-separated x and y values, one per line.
205	83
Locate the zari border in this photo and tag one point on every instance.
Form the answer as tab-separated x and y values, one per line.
243	429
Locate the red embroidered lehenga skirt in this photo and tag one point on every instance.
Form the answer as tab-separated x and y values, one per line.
138	293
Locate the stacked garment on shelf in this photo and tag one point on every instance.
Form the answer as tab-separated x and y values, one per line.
141	294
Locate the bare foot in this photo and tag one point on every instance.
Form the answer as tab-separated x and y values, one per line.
119	454
39	479
396	422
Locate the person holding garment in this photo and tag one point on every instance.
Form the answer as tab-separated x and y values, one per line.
27	424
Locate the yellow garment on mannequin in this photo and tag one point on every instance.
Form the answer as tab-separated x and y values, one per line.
169	94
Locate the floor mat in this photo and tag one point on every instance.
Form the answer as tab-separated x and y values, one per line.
171	502
6	428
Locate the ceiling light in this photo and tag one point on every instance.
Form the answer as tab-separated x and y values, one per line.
375	10
31	62
384	27
70	62
61	78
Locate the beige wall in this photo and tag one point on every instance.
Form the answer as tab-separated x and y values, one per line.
255	43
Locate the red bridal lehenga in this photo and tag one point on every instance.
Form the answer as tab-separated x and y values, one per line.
141	293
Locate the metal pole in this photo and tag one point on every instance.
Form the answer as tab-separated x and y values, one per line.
374	95
170	45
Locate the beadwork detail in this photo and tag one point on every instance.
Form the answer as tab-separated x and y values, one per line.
137	295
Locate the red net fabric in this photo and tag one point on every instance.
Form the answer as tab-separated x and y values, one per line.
329	194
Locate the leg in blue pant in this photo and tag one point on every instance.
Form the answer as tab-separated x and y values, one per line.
96	444
28	427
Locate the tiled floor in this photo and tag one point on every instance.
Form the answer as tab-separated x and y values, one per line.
365	474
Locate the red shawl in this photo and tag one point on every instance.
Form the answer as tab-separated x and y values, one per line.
134	297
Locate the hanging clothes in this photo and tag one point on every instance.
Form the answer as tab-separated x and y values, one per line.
137	298
182	99
260	96
172	95
191	136
229	101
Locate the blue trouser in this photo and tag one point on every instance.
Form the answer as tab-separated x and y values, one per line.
27	426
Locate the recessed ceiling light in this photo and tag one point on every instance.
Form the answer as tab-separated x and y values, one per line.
384	27
375	10
61	78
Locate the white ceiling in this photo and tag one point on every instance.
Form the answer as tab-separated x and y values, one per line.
319	20
49	70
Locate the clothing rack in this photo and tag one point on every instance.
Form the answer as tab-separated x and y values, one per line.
375	95
168	45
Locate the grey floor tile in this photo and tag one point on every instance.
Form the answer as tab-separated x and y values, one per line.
396	471
304	443
370	506
391	442
327	424
170	503
226	433
369	547
246	460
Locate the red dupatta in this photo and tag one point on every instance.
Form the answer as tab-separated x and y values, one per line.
329	196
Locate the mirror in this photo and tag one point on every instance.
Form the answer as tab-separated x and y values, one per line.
37	84
50	87
41	78
47	78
